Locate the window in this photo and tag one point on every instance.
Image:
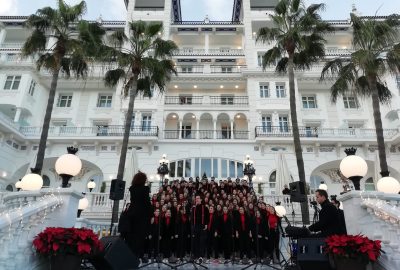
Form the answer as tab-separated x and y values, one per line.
264	90
309	102
187	69
398	81
186	131
12	82
280	91
350	102
32	87
272	182
260	58
283	124
226	100
266	123
59	123
146	122
185	99
226	69
64	100
104	101
133	122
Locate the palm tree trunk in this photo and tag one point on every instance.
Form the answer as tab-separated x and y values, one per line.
305	216
124	147
378	126
46	122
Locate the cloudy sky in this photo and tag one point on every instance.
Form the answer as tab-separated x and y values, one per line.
197	9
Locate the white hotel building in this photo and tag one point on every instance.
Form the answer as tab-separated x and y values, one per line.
219	108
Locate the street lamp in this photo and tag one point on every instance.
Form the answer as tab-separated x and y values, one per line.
18	185
91	185
163	170
353	167
83	204
388	184
280	210
32	181
249	170
68	165
323	186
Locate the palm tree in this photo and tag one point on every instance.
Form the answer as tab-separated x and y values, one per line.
75	40
298	42
376	53
143	61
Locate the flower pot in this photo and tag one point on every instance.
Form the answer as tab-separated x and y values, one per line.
349	264
65	262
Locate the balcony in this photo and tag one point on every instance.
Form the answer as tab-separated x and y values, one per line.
206	134
209	69
207	100
356	133
210	52
97	131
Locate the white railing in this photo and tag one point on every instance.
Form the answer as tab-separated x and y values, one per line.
11	45
100	228
220	52
101	202
24	216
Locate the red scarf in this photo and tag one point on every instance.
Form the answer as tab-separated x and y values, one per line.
183	218
167	220
272	221
258	221
243	221
156	220
210	221
225	217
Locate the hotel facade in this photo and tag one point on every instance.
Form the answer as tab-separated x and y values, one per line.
221	107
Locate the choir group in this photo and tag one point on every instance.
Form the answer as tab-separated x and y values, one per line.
211	220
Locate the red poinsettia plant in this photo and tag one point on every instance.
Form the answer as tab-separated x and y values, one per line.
73	241
354	246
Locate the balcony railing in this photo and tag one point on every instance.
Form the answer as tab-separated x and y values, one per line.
286	131
206	23
100	131
204	134
215	52
212	100
227	69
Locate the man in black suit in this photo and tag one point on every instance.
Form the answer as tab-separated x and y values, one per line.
199	218
329	220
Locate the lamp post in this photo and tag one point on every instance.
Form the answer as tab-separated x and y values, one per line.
163	170
68	165
249	170
32	181
280	210
18	185
83	204
91	185
323	186
353	167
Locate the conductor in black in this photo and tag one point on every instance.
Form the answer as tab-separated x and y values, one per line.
200	217
329	220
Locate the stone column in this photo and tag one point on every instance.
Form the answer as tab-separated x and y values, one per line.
215	129
180	129
197	129
231	129
17	115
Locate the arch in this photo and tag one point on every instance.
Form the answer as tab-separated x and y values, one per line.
392	115
9	187
223	117
172	116
189	116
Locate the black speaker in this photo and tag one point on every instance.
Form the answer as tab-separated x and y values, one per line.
298	191
115	256
117	189
310	254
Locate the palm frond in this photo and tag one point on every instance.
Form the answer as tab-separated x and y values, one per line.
271	57
331	68
163	48
35	43
117	38
153	29
282	7
112	77
393	59
281	66
267	35
46	61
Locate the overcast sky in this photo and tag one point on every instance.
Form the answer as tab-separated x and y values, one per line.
197	9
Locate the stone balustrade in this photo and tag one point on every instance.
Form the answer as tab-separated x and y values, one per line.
377	216
99	228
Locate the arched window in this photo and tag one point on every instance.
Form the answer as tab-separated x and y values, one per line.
46	181
9	188
272	182
369	184
315	181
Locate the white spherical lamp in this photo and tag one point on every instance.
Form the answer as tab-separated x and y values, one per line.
32	181
68	165
353	167
388	184
323	186
91	185
280	210
83	204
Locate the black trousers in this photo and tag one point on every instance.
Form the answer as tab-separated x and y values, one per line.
212	245
244	244
273	244
199	241
226	242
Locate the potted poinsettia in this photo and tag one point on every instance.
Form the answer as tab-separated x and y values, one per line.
66	246
352	252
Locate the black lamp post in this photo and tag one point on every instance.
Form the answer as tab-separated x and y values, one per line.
68	165
163	170
353	167
249	170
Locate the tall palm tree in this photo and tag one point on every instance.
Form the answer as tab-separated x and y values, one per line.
143	60
376	54
75	41
298	41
